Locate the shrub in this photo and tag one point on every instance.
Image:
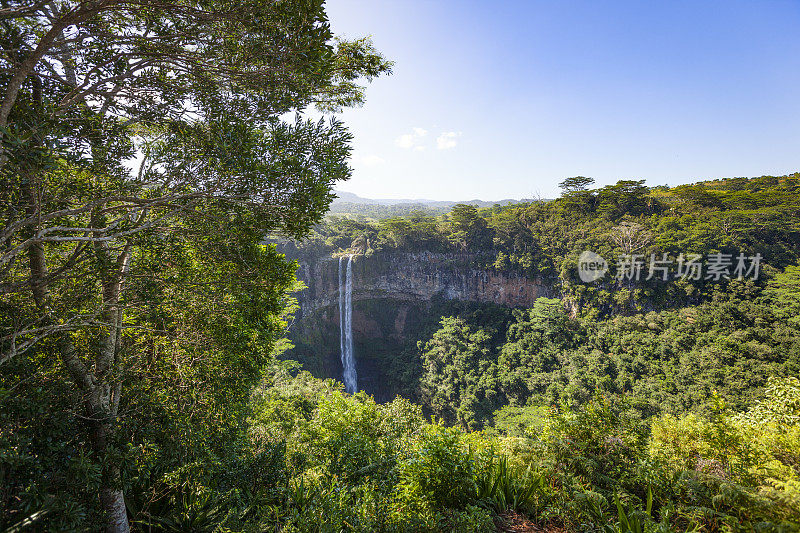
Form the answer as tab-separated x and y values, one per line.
439	471
503	487
600	443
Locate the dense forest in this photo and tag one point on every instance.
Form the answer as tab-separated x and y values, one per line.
657	360
667	343
543	239
151	188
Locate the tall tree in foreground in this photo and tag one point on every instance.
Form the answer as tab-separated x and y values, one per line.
189	94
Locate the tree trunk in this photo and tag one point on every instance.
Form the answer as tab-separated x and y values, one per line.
102	401
113	502
112	499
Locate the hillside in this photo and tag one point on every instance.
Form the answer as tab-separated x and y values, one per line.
482	260
481	316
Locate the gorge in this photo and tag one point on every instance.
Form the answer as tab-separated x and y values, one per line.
379	305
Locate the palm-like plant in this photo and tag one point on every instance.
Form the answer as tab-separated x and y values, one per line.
504	488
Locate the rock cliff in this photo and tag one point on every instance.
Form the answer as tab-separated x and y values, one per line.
398	299
415	277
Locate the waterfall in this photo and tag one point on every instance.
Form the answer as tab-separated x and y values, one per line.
341	312
346	324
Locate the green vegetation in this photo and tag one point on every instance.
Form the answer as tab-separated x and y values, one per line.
138	308
669	361
142	316
319	460
542	240
620	392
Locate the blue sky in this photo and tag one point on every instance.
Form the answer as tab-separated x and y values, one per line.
504	99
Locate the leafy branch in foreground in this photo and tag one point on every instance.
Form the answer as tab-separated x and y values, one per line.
191	94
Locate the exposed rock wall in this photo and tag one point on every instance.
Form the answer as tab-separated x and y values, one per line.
416	277
398	299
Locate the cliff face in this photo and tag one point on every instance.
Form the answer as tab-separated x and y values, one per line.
415	277
398	299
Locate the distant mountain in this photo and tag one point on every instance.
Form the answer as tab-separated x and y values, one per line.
350	198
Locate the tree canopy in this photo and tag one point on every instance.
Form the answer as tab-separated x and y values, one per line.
145	156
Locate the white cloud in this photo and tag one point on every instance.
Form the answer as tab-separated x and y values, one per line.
410	140
416	140
447	140
405	141
368	160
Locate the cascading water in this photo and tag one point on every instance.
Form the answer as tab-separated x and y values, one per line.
346	324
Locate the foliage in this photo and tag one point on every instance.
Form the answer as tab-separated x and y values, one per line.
784	291
439	472
670	361
459	380
542	240
748	460
361	466
507	487
598	467
142	309
139	306
614	407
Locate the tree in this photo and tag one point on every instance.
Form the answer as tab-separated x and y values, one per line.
195	92
626	197
784	292
414	231
575	195
469	228
576	184
532	357
459	373
631	237
698	195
